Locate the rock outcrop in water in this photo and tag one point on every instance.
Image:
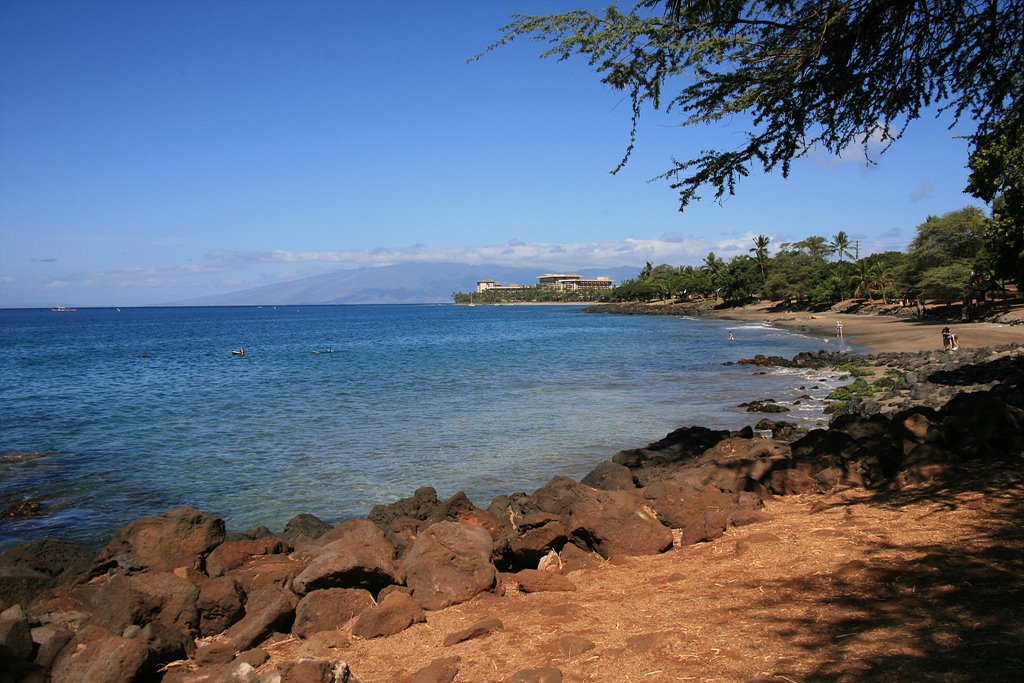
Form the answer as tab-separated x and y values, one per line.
175	588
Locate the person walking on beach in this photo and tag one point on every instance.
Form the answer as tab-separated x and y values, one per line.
839	329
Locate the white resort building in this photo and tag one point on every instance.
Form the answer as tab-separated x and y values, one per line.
571	282
563	282
484	285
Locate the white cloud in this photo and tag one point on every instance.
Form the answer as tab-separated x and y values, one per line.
673	248
243	269
861	150
923	191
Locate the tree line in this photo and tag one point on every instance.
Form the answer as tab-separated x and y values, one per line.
534	294
955	256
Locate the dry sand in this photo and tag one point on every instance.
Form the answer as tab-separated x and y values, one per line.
926	584
881	333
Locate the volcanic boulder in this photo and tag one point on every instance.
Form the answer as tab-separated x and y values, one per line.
609	522
449	563
393	614
181	537
610	476
361	557
329	609
678	447
233	554
270	609
98	656
304	527
121	601
29	569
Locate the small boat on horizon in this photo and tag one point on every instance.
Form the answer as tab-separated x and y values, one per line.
63	309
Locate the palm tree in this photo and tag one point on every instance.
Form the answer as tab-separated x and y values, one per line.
840	279
882	278
861	280
840	244
760	252
714	267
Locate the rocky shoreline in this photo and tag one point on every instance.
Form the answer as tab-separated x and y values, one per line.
175	597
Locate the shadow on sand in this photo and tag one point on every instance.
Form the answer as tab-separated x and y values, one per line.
926	612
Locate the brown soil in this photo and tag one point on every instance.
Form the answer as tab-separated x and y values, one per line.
921	584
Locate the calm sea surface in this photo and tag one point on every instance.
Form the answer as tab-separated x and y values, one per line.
487	400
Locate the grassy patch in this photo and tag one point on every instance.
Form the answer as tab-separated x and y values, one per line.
854	369
858	387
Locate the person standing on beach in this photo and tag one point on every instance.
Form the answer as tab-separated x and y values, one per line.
839	329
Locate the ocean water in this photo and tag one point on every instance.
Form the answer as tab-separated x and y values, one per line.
488	400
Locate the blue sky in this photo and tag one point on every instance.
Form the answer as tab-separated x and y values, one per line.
152	152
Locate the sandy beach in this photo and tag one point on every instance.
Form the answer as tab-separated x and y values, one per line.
880	333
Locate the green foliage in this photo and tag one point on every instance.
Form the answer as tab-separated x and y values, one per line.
997	169
797	270
760	251
666	282
531	295
840	245
859	387
997	176
802	74
853	369
946	283
860	279
739	279
949	245
941	239
938	265
891	380
1003	236
633	290
885	260
815	246
877	274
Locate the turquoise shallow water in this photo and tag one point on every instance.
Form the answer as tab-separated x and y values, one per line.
487	400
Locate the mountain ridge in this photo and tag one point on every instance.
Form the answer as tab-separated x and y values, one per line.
407	283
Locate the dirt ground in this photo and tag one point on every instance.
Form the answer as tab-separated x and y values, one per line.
925	584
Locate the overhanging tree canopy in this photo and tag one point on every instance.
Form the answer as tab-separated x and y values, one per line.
805	73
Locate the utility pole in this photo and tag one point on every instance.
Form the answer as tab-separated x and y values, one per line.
856	250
